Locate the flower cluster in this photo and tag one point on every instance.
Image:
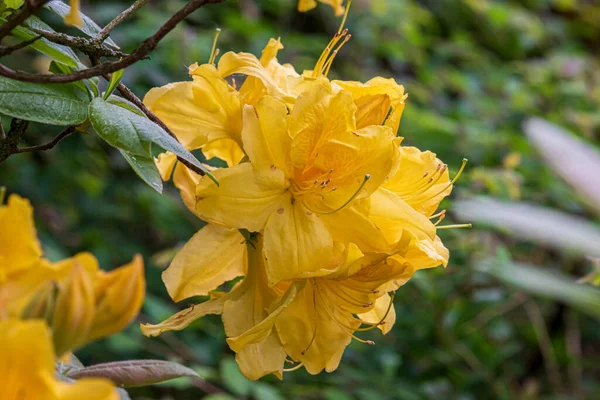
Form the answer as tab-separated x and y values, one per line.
49	309
319	208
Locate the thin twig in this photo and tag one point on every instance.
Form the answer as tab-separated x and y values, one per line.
50	144
103	34
4	51
86	45
9	145
548	354
31	6
144	49
129	95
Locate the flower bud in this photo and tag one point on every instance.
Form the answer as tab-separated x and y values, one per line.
41	305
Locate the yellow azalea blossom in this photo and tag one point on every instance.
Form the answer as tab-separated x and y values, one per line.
307	5
213	256
73	17
27	367
313	162
93	303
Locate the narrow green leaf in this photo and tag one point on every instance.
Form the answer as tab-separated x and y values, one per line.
58	52
135	372
533	223
54	104
129	131
89	27
146	169
124	103
115	79
547	284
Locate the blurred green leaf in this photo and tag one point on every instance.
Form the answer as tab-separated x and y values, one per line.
53	104
262	391
233	378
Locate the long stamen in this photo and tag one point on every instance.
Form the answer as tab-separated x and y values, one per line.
349	330
323	58
293	368
214	52
329	62
438	214
435	178
440	220
315	328
460	171
455	226
381	321
362	185
345	16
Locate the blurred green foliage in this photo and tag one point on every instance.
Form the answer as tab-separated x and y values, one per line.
474	70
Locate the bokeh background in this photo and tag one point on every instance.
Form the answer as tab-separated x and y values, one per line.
474	71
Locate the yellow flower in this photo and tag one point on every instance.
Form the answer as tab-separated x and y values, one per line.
309	164
73	17
27	367
93	303
307	5
215	255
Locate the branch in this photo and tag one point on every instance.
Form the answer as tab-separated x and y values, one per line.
8	146
146	47
50	144
103	34
88	46
4	51
31	6
129	95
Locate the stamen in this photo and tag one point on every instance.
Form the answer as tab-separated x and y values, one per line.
381	321
362	185
294	368
362	340
329	62
460	171
455	226
214	52
438	214
345	16
440	220
315	329
2	194
435	178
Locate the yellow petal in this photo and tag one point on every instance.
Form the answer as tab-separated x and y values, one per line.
309	332
73	18
75	310
186	181
165	164
227	150
266	140
297	243
247	64
120	294
200	111
183	318
368	95
270	51
306	5
248	324
382	309
421	180
239	201
87	388
19	246
392	215
212	256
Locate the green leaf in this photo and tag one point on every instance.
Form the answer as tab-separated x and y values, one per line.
124	103
14	4
89	27
53	104
131	132
547	284
59	68
115	79
233	378
134	373
534	223
145	168
58	52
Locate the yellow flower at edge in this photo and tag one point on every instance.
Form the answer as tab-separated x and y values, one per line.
307	5
73	17
27	367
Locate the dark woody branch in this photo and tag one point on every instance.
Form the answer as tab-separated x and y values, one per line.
141	52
